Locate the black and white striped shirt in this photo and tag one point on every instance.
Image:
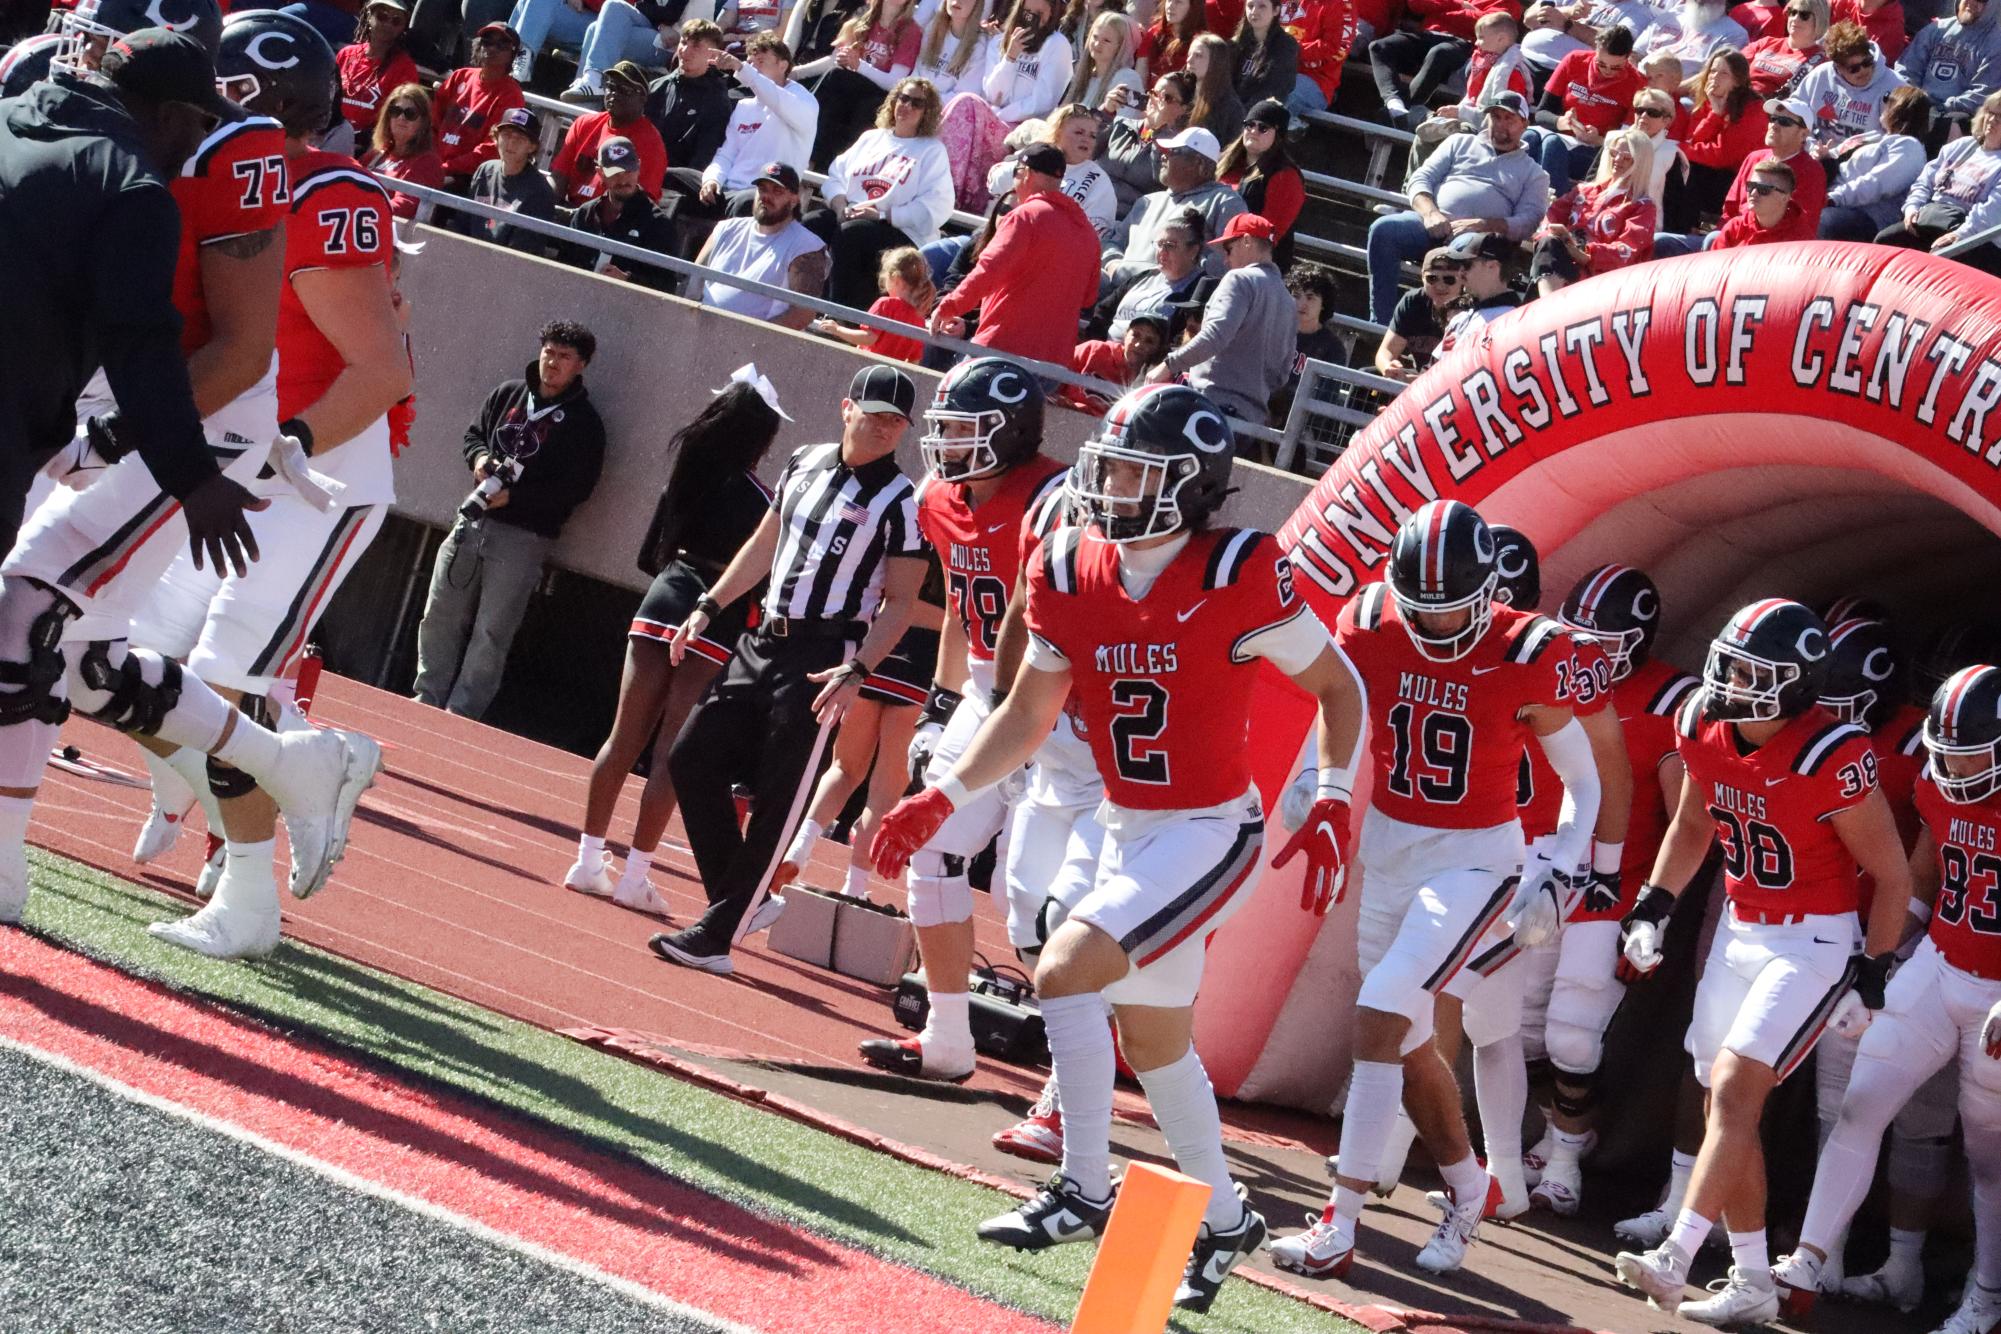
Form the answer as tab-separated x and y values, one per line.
836	526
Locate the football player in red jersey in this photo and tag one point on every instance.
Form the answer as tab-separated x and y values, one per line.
981	451
1458	686
1156	624
341	368
1943	1008
1792	795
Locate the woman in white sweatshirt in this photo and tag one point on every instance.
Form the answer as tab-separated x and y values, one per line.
957	48
1030	68
873	51
892	188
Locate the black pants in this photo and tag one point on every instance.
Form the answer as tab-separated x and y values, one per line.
1702	193
848	105
1425	58
857	248
756	723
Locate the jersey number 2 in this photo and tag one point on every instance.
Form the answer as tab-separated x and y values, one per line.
1429	760
1142	718
351	229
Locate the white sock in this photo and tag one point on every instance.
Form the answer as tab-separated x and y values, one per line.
1184	1106
1749	1252
250	746
948	1027
1907	1248
1395	106
1348	1206
14	813
802	843
1987	1239
1501	1086
192	768
1565	1147
1690	1230
199	716
1080	1050
1467	1180
1680	1172
1402	1135
249	882
1375	1093
590	849
172	792
637	864
857	887
24	753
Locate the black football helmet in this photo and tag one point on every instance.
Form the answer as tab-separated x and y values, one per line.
27	63
1619	607
1865	673
1854	607
1767	663
1443	560
278	66
1961	644
1963	727
86	29
1517	569
996	406
1181	444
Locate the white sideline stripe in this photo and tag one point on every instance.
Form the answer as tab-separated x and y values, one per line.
340	1176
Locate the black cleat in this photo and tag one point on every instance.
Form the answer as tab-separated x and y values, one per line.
906	1057
692	949
1055	1217
1215	1255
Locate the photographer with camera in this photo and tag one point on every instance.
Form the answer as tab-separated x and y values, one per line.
535	451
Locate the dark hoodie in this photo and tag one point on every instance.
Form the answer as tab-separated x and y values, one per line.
692	116
88	240
558	441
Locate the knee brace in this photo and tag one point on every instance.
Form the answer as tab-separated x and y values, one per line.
1573	1049
1576	1095
31	655
226	781
939	891
130	692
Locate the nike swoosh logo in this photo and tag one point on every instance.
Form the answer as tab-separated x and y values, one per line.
1219	1266
1324	828
1818	941
997	527
1182	616
1066	1227
1482	671
1773	782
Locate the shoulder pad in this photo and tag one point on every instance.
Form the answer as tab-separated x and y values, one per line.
1814	752
1044	488
1369	607
1688	719
1230	554
314	181
1671	694
224	136
1059	560
1912	742
1045	513
1535	635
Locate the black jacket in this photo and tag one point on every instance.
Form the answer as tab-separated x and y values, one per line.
692	115
559	443
642	222
88	241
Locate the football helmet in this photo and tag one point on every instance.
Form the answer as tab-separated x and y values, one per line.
1443	560
1767	663
1181	446
27	63
1853	607
1517	569
1865	673
1002	404
279	66
85	29
1961	644
1619	607
1964	723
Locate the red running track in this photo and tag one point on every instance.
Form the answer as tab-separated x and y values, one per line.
453	879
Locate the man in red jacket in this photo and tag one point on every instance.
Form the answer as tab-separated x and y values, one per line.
1770	215
1786	130
1036	275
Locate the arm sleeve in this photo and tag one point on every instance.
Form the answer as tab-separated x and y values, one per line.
1634	241
1921	189
791	104
1292	645
927	204
997	259
1219	325
1568	750
1438	166
132	308
1910	66
840	180
564	164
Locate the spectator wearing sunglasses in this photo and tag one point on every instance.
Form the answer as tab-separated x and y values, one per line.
1878	170
891	189
1785	141
1769	215
404	147
1418	323
1653	116
1780	61
1957	61
1846	93
1883	20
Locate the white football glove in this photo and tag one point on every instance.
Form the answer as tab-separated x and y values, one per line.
1536	911
1851	1017
1642	946
1297	799
1990	1033
923	744
288	460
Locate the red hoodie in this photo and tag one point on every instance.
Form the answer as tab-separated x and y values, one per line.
1744	229
1714	142
1032	280
1809	191
1616	229
1325	31
467	106
1455	18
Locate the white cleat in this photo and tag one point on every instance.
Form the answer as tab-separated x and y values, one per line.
596	881
160	832
1979	1313
1536	1158
1892	1285
1747	1297
13	884
1799	1279
318	783
211	871
1561	1189
1322	1251
1646	1230
1446	1250
1660	1273
639	895
767	912
222	934
1499	1208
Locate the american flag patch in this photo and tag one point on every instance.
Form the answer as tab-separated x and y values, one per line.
853	513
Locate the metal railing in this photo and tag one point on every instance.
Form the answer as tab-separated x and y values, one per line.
1333	403
1966	245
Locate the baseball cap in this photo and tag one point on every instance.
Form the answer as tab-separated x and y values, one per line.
498	29
1045	158
1507	100
161	65
626	71
1198	295
1469	246
1270	112
1245	224
1158	316
616	156
396	5
883	389
1196	140
1441	258
522	119
1789	106
779	173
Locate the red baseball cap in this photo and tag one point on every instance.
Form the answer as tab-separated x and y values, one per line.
1245	224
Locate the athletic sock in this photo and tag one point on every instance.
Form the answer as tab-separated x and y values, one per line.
1690	1230
172	792
249	883
1080	1051
949	1028
1680	1172
14	813
24	752
1749	1252
590	849
192	767
1986	1240
1348	1206
1907	1248
857	887
1501	1087
1396	107
1375	1092
1467	1180
199	717
637	864
801	849
1184	1107
1565	1147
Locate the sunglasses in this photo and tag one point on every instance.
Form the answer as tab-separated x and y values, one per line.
1650	111
1765	188
1157	96
912	100
1858	65
1789	122
405	113
1799	13
1443	279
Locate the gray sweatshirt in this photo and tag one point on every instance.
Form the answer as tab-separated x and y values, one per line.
1466	178
1216	202
1957	64
1244	350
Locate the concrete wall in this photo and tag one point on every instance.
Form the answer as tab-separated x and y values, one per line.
476	309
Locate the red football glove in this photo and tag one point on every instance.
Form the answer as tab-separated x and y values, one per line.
1324	840
910	824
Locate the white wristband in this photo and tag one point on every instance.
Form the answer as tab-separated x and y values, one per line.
1330	787
1921	910
1605	857
954	791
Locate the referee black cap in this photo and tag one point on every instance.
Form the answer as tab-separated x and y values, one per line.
883	389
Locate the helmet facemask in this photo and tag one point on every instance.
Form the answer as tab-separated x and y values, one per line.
1153	501
1755	698
1618	646
960	458
83	40
1967	788
1456	645
1851	708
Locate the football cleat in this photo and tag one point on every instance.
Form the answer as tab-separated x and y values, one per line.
211	869
1497	1207
1746	1297
596	881
910	1057
1057	1216
1979	1313
1660	1273
1216	1254
158	834
1038	1136
1893	1285
1797	1278
1322	1251
1648	1230
1446	1250
317	783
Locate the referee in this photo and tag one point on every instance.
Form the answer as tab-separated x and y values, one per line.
845	560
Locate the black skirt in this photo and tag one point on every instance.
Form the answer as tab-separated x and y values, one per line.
667	603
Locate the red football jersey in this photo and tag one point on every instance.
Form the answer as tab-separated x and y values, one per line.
1162	683
978	549
1538	791
1446	738
234	185
1646	702
1772	807
1966	920
340	220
